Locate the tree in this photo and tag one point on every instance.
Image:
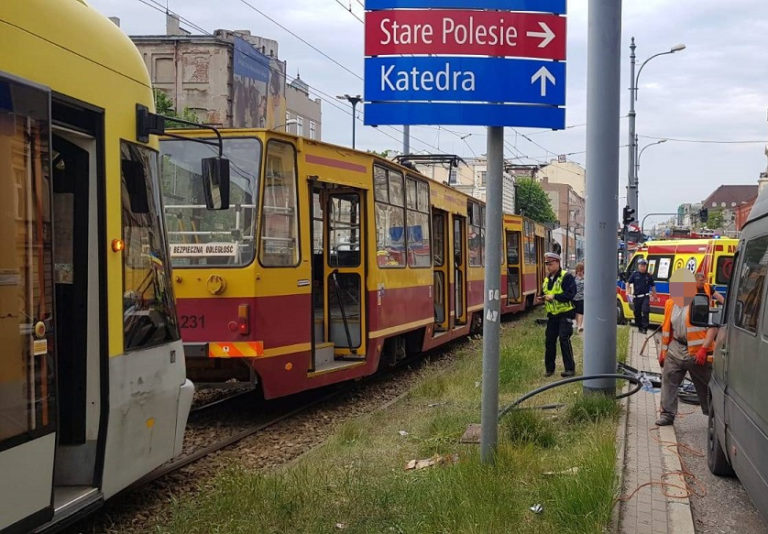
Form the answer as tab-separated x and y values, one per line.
715	219
532	201
164	106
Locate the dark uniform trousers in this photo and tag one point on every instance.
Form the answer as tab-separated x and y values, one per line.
642	309
559	327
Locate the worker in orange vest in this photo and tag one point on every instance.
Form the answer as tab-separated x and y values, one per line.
683	348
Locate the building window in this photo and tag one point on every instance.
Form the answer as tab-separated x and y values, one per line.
453	177
299	125
312	130
483	178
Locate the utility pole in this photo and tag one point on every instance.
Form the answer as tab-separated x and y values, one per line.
406	139
632	145
354	100
492	315
603	108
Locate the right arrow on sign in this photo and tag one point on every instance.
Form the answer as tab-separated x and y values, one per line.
546	36
543	75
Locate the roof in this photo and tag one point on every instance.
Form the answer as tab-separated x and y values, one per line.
732	195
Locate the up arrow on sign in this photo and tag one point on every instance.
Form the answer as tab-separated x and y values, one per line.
543	75
546	36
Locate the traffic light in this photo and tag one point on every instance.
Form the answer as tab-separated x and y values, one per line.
703	214
629	215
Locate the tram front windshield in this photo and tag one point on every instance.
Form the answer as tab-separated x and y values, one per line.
198	236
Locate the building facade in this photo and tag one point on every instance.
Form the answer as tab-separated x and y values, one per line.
570	210
230	79
564	172
303	115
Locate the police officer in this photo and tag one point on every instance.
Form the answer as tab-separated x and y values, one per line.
559	288
640	287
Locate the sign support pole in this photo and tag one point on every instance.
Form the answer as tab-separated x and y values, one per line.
603	101
491	319
406	139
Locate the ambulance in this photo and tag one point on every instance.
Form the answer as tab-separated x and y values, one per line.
713	257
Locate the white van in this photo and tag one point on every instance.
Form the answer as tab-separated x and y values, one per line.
738	407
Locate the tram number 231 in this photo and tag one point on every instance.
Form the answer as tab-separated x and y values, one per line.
192	321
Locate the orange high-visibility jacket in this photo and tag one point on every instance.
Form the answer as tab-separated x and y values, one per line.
695	336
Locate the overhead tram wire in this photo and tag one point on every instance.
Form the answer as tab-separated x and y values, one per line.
707	141
325	97
349	10
313	47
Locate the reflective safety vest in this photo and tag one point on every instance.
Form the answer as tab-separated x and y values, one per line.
556	307
695	334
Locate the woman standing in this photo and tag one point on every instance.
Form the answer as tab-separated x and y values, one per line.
578	300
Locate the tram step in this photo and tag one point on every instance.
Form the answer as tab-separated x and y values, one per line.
323	355
338	365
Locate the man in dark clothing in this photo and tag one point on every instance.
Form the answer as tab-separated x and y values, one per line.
559	288
640	287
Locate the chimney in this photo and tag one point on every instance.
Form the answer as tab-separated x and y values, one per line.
115	21
173	25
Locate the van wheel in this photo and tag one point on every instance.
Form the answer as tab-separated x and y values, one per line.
716	458
620	319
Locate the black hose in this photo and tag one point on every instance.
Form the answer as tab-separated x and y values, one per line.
570	380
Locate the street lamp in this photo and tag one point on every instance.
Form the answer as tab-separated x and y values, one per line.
637	162
632	184
354	100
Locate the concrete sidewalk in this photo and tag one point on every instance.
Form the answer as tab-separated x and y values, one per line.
646	459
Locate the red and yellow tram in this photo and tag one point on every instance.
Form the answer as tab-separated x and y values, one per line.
329	262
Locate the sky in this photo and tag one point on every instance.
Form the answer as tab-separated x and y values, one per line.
714	90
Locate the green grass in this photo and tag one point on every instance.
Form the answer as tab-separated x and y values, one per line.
622	343
563	460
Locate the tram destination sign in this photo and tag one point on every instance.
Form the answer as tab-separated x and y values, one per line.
492	63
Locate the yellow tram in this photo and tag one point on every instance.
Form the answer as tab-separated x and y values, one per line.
329	262
93	392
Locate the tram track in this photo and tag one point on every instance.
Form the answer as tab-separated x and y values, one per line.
267	435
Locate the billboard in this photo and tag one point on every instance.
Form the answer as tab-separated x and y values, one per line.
258	88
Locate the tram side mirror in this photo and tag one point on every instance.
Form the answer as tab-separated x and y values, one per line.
135	181
216	183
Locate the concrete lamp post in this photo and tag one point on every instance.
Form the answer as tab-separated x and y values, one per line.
632	184
354	100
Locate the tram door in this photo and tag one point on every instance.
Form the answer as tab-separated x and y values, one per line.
440	269
76	286
27	361
513	267
460	269
339	235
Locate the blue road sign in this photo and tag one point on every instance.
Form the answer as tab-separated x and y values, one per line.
541	6
465	114
464	79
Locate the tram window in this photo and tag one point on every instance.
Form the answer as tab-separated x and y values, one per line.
476	234
27	376
149	314
396	188
390	220
438	243
513	248
344	230
530	243
200	237
380	184
419	253
279	222
410	193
